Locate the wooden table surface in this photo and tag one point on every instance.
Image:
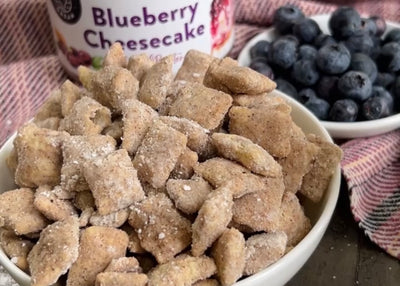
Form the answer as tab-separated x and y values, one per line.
346	257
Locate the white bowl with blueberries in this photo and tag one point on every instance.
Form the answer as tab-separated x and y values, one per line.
341	66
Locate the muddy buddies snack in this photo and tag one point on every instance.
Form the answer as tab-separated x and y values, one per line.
140	178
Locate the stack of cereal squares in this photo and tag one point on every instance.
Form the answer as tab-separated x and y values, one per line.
141	177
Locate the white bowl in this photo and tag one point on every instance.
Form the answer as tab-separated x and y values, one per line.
278	273
335	129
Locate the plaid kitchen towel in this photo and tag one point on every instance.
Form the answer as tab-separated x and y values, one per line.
29	70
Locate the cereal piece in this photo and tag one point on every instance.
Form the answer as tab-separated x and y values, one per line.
212	219
183	270
229	256
16	248
197	136
263	101
99	245
77	150
218	171
203	105
39	156
85	75
264	249
207	282
111	85
158	77
53	208
87	117
250	155
184	166
299	161
316	181
134	241
161	229
158	154
21	222
124	264
12	160
271	130
137	119
55	252
115	56
260	210
114	219
114	130
138	65
227	76
52	123
188	195
70	93
62	194
50	108
113	182
194	66
150	190
172	94
121	279
85	217
293	221
84	200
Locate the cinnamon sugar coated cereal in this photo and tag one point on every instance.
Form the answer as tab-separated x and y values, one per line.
143	177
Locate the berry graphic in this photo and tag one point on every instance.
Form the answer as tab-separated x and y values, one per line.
77	58
97	62
221	22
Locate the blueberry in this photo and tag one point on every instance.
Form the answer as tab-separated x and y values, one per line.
376	48
389	57
323	40
327	88
363	63
333	58
292	38
392	36
306	30
355	85
344	110
259	65
379	105
384	79
344	23
380	25
260	49
286	87
368	26
307	52
360	43
285	17
305	72
306	94
319	107
283	53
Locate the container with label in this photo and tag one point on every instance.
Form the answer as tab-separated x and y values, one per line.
84	29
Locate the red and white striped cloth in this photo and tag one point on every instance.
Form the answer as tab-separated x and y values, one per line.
29	70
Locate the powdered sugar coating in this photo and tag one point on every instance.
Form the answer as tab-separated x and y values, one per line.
55	251
113	182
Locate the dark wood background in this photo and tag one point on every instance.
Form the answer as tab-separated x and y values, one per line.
346	257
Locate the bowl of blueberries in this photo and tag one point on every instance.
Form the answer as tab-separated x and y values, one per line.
344	67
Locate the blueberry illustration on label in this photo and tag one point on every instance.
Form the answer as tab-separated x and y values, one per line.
68	10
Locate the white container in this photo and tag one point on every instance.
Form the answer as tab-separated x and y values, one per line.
84	29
